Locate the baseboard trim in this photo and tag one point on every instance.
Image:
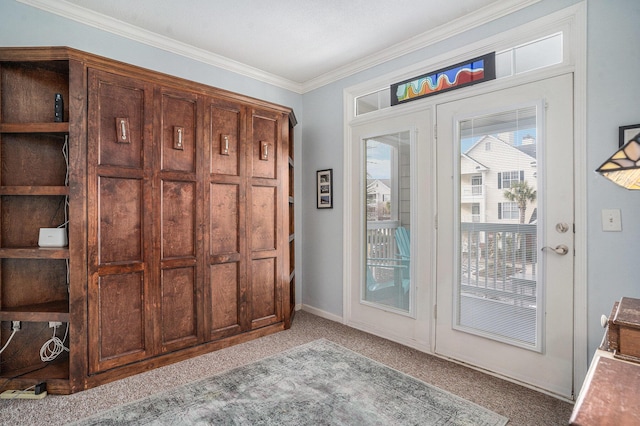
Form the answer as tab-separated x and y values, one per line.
320	313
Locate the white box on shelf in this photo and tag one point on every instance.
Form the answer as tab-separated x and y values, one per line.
53	237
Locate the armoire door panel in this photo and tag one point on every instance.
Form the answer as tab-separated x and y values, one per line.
225	137
179	308
264	147
225	299
224	218
178	219
120	220
118	321
264	306
178	133
263	217
120	102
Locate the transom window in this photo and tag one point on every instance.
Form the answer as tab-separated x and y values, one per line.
540	53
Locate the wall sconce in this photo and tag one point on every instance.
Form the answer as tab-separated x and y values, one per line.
623	168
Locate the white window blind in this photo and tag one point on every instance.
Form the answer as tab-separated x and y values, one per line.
497	290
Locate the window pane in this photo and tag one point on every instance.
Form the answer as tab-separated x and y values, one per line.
496	293
388	211
367	103
539	54
504	64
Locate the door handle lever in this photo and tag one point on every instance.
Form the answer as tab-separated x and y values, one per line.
560	249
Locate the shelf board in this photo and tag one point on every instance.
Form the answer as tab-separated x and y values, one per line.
41	312
34	253
34	127
34	190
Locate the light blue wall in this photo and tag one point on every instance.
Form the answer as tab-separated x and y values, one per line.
612	93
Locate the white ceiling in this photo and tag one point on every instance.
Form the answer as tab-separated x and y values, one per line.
296	44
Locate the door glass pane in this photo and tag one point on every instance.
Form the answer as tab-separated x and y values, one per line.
388	209
497	293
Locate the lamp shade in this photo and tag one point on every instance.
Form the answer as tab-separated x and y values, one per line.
623	167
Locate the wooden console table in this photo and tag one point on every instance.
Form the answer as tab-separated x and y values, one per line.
610	394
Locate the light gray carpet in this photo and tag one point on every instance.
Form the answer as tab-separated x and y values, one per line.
523	407
320	383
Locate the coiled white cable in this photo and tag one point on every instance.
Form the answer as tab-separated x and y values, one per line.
53	347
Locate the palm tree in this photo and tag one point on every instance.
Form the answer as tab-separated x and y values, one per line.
522	194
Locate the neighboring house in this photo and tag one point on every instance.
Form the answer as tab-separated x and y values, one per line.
487	169
378	199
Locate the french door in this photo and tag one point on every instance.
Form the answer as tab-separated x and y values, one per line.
505	233
390	217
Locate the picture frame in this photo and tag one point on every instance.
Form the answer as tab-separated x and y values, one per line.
324	189
626	133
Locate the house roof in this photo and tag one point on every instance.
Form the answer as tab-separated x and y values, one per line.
479	166
528	149
385	182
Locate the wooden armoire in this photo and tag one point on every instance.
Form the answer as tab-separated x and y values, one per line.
178	204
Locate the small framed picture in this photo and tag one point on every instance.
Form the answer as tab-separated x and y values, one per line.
324	181
626	133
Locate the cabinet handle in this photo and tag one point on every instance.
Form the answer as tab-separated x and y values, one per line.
177	138
122	130
224	146
264	151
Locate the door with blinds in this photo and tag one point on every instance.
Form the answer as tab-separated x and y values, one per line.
505	233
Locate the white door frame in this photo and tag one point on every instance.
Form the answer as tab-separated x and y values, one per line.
411	328
572	21
544	362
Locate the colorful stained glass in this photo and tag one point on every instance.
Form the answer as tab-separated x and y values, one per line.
460	75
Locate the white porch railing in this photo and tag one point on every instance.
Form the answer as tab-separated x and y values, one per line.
381	241
499	262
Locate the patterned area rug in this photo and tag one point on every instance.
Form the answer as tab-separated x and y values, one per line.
320	383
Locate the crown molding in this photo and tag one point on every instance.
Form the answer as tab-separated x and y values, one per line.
123	29
114	26
443	32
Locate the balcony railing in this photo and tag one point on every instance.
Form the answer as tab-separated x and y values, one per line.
499	262
472	191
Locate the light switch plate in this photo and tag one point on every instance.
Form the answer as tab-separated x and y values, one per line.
611	220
